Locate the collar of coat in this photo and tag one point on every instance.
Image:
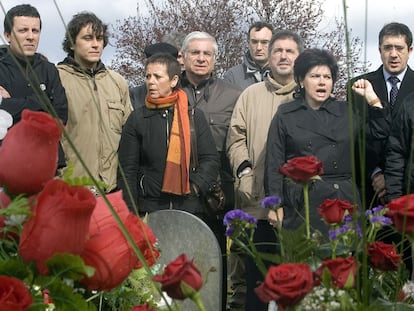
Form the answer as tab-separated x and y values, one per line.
279	89
70	61
331	105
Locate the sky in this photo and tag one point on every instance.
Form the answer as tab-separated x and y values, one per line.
365	20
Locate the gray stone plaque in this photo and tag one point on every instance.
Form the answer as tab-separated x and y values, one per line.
181	232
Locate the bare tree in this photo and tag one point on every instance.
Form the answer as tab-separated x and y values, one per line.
228	22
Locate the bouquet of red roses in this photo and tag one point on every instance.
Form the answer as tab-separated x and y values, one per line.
353	271
59	244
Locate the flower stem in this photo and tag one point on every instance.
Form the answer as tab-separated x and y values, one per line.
306	201
198	302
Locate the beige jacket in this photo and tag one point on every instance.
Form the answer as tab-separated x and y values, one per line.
99	105
247	136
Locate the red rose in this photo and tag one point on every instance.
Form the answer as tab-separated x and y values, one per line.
14	295
29	153
107	249
333	211
384	256
286	284
341	269
178	272
302	169
59	223
401	211
144	307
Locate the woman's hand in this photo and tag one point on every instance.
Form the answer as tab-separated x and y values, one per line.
275	218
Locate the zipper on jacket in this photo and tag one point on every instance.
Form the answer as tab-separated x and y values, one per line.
165	115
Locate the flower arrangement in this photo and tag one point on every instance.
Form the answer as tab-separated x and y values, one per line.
62	247
352	271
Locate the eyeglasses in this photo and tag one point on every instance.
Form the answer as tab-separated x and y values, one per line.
262	42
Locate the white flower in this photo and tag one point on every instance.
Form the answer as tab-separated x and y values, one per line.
6	120
408	289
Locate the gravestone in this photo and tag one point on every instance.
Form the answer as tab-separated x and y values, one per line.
181	232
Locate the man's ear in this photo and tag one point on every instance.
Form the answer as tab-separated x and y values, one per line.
7	36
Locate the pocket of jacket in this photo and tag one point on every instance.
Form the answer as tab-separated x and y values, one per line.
115	115
245	188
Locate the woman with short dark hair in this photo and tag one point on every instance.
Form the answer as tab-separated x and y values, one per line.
316	124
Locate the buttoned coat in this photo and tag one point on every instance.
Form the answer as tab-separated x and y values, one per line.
298	130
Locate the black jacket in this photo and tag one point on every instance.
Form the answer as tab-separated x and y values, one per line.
35	86
375	149
399	170
142	156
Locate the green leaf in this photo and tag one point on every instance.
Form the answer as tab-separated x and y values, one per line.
16	268
69	266
18	206
65	299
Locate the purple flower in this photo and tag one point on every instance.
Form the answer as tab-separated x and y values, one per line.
271	202
229	231
238	215
348	219
332	234
378	209
237	220
381	220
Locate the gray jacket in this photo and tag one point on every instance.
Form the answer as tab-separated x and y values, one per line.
246	73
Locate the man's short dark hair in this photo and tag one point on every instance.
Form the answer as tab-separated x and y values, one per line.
75	25
396	29
19	10
259	26
286	34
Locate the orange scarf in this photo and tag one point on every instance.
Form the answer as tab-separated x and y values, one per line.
176	175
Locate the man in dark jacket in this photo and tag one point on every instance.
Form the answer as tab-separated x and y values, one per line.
255	65
216	98
27	79
395	47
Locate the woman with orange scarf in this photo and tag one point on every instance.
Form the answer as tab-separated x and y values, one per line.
155	149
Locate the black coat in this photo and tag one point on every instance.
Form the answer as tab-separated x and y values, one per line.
375	149
142	157
35	86
298	130
399	170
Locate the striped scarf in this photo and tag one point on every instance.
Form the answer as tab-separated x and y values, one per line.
176	175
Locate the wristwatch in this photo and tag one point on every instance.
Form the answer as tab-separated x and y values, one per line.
245	171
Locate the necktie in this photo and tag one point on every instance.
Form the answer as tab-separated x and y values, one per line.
394	89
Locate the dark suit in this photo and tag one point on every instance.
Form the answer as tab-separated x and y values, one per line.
375	149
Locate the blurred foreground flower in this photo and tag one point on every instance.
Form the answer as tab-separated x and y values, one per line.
70	208
107	249
29	153
14	295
